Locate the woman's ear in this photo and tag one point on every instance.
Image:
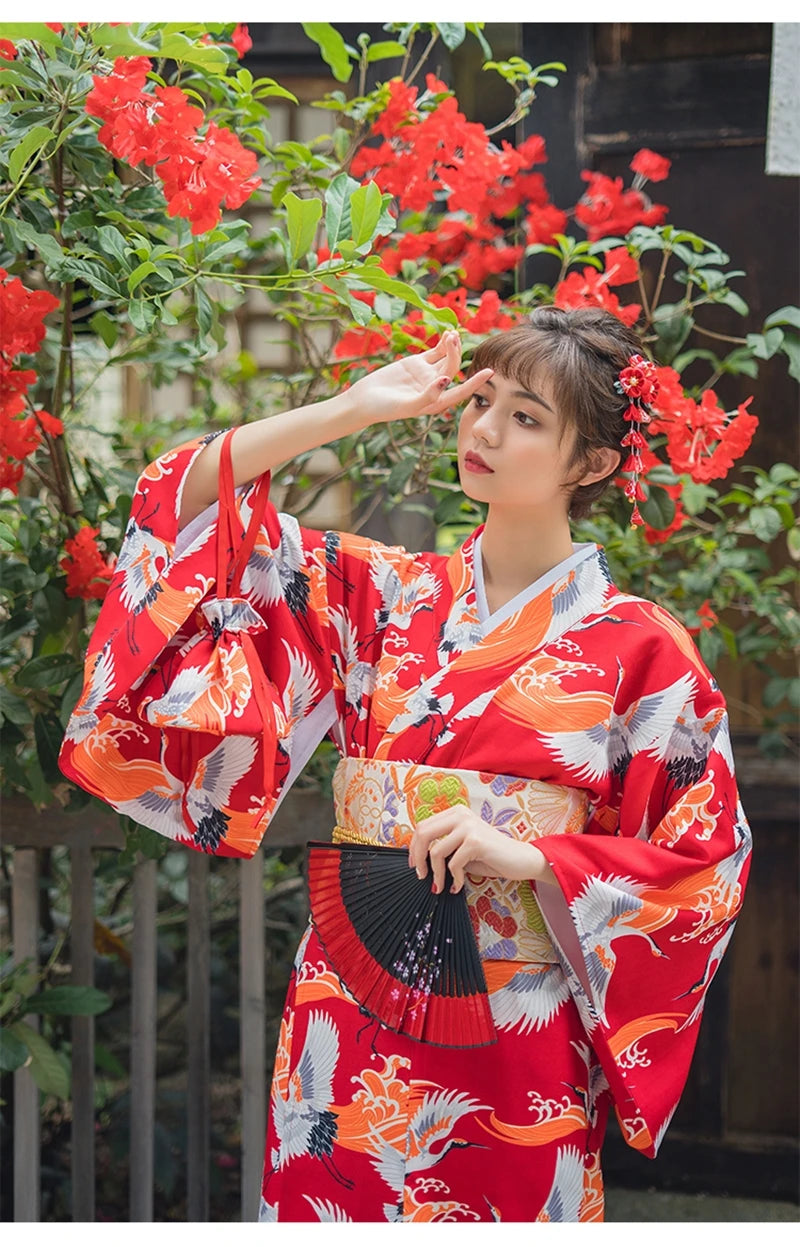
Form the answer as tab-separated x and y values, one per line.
602	463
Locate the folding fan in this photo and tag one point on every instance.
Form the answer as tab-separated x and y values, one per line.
406	954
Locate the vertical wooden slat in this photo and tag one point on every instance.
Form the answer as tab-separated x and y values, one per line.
25	926
143	1041
252	1031
82	952
198	1021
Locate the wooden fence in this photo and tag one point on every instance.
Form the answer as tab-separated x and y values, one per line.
732	1125
302	816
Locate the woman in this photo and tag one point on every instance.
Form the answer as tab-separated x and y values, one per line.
506	710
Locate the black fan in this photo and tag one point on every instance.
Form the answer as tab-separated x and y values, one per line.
406	954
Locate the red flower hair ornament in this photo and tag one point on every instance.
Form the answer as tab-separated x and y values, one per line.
639	384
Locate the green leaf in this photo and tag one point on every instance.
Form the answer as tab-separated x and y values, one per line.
13	1052
139	273
781	473
33	142
120	41
366	204
764	345
142	315
49	734
383	50
453	34
105	328
338	224
48	671
112	243
784	316
45	244
303	216
208	57
38	32
793	542
673	326
791	348
695	497
47	1071
75	1001
734	300
205	311
474	28
333	48
375	277
765	522
658	509
96	276
14	708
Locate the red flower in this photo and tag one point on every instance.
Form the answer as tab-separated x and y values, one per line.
55	26
241	40
50	424
88	572
620	267
590	289
707	617
650	165
543	222
8	50
21	315
399	111
703	440
605	208
200	173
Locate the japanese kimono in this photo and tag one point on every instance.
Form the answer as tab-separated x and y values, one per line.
576	715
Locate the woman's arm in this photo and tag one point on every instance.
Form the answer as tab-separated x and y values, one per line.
407	388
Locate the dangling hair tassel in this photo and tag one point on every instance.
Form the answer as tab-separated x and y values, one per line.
639	384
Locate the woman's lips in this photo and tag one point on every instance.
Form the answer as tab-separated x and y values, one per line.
474	463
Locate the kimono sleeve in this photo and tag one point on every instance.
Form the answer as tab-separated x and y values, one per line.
167	729
647	897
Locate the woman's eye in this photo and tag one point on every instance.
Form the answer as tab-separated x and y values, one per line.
524	418
480	401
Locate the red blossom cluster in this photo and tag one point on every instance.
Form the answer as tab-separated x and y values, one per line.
591	288
200	173
703	440
240	39
22	313
434	155
606	208
88	571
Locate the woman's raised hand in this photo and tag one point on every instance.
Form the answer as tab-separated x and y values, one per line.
417	385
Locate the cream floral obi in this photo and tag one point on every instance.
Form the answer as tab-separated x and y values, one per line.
379	802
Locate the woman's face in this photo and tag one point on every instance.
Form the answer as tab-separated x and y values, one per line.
518	434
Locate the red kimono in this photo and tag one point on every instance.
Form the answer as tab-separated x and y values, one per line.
576	714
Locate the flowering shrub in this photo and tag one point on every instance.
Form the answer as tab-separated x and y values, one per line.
126	150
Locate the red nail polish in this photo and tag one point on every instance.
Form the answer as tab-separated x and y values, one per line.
435	888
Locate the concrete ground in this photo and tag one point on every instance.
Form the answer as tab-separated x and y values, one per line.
652	1205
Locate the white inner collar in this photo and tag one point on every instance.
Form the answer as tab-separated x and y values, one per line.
579	552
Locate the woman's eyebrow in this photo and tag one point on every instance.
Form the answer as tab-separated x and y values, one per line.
536	398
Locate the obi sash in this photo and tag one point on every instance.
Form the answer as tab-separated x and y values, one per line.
379	802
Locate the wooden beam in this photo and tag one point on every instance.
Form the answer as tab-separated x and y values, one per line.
82	957
198	1016
143	1041
24	935
675	105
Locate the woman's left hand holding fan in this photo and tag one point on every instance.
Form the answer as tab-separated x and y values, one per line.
471	846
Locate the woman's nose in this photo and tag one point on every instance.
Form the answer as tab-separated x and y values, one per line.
485	428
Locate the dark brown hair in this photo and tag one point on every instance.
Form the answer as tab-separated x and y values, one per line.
581	351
